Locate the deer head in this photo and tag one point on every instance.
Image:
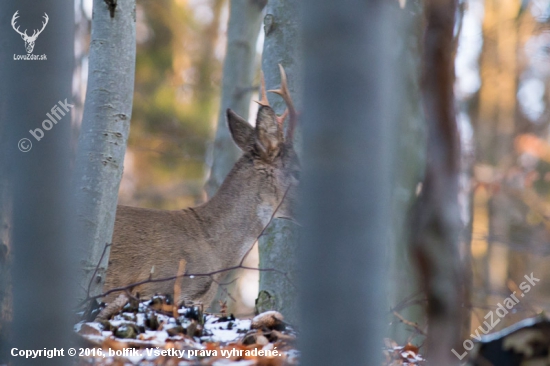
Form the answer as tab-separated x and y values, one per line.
29	40
268	146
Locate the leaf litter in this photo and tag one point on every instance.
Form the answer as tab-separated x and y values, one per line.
155	332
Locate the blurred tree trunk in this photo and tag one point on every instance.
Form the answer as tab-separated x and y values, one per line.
404	292
205	87
82	37
495	132
436	223
33	185
277	245
5	228
103	136
238	75
349	133
245	17
465	188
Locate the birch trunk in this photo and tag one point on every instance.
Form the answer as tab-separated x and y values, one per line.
238	75
245	18
277	245
103	136
5	249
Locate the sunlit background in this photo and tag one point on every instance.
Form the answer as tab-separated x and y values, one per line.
503	69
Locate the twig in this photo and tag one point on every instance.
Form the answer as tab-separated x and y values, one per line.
413	299
107	245
228	283
266	225
225	290
209	274
409	323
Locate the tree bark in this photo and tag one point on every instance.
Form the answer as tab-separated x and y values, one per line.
348	134
5	229
245	18
277	245
436	224
404	290
35	178
104	133
495	130
238	76
5	250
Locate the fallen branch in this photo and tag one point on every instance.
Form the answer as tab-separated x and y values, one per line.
113	308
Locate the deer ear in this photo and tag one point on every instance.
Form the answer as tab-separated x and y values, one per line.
269	134
240	129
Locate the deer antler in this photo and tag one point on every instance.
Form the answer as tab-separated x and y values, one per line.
285	94
263	102
13	19
35	35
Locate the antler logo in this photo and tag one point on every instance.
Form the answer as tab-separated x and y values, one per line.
29	40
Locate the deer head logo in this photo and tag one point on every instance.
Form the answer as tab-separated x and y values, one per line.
29	40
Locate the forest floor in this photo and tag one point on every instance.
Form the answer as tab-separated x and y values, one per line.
155	332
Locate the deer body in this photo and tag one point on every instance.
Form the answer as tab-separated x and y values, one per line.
218	234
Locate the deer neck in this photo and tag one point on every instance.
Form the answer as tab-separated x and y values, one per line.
234	217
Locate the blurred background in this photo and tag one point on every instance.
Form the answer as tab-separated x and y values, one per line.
503	72
503	69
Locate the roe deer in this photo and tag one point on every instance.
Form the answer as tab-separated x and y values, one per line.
219	233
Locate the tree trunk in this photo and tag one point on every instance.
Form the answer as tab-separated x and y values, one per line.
5	228
5	250
104	133
277	245
404	292
238	75
348	135
496	129
436	224
36	172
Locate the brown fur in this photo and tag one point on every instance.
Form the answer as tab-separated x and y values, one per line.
216	234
